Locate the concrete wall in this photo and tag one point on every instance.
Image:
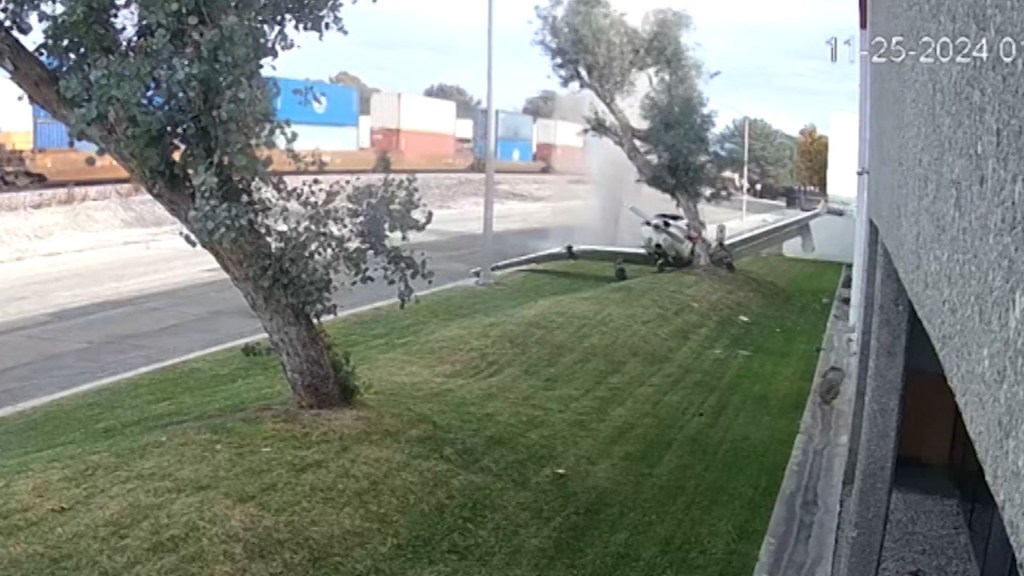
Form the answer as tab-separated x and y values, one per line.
947	196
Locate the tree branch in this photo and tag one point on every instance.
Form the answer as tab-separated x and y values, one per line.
41	86
29	73
629	137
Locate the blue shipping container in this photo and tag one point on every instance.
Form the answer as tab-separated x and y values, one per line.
514	126
48	134
510	127
318	103
480	135
514	151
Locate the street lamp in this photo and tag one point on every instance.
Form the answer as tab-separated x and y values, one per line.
746	154
746	162
486	276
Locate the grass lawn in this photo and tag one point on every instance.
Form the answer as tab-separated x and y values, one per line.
671	419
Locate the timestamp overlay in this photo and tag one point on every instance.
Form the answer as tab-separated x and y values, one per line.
945	49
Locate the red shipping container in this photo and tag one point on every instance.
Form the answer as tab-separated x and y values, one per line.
412	144
562	158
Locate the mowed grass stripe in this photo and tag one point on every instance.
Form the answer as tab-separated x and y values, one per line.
672	423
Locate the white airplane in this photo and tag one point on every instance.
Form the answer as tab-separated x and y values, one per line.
669	242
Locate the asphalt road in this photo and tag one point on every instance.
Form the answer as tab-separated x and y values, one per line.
49	353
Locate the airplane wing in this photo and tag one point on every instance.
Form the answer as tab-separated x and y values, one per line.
776	233
624	254
737	247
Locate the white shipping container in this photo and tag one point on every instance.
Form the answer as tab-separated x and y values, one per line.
463	128
365	130
412	113
324	138
559	133
15	113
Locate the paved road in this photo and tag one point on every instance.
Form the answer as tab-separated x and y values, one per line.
47	353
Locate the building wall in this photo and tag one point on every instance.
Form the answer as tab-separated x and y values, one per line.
947	195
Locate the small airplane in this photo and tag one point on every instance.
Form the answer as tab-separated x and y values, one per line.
670	242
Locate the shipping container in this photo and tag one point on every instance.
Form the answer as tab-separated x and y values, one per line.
559	133
569	159
480	136
514	150
514	126
365	130
15	108
464	128
325	138
315	103
511	126
20	140
412	113
49	134
413	144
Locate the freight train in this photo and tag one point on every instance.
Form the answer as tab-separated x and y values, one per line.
402	133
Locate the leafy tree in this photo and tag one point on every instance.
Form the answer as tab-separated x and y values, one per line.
593	47
466	106
542	105
365	90
812	158
173	91
770	154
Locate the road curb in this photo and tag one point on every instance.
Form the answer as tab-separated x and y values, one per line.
36	402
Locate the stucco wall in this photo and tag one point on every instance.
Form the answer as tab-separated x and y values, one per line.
947	195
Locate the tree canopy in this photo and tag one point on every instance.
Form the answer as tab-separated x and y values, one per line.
594	47
812	158
466	106
541	105
173	90
771	153
366	91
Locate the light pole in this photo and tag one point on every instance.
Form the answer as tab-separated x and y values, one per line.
746	148
746	162
486	276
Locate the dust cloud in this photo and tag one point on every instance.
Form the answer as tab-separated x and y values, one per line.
613	178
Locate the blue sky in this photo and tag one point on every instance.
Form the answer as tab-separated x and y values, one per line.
772	55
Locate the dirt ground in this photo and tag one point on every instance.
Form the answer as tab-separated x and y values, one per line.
24	231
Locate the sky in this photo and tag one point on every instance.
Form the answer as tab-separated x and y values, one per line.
772	56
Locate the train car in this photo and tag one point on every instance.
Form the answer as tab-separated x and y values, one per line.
416	133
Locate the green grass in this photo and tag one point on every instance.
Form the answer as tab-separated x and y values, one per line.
672	420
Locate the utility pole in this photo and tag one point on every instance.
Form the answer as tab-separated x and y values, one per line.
486	276
746	160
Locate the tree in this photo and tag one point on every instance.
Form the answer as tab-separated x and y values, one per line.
812	158
542	105
466	106
593	47
770	154
366	91
173	91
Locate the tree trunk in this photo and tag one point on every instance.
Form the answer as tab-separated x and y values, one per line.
302	349
702	252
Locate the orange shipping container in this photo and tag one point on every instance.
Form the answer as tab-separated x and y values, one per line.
413	144
569	159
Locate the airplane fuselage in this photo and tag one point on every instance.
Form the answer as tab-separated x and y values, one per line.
666	239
